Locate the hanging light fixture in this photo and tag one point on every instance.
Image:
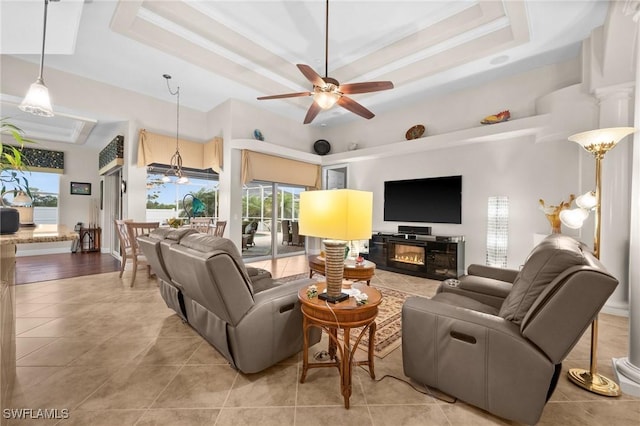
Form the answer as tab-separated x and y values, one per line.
37	101
176	159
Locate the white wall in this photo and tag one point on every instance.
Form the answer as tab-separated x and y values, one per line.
521	169
461	110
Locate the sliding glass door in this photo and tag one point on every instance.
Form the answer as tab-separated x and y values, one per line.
270	220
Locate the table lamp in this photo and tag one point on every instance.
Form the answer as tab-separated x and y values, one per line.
338	216
597	142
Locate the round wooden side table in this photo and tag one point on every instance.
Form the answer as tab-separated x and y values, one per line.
344	315
352	271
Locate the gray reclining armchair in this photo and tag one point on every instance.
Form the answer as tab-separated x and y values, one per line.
253	320
496	339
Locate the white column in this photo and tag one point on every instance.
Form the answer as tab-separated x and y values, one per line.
615	111
627	369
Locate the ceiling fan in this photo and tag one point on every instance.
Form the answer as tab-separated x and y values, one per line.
328	91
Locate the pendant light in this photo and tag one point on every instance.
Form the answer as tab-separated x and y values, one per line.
176	159
37	100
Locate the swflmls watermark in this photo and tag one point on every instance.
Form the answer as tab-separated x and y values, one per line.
35	413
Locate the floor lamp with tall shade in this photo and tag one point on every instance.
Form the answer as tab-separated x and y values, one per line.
597	142
338	216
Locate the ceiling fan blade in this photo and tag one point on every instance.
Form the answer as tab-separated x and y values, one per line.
354	107
311	75
314	109
286	95
373	86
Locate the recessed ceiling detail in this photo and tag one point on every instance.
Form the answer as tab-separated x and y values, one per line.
65	128
213	36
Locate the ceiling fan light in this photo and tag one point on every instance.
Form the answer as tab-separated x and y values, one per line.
37	101
326	100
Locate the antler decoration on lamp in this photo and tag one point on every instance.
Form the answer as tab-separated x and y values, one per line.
553	213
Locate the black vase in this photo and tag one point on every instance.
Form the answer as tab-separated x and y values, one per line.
9	220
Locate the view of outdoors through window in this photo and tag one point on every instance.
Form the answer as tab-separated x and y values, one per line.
168	200
44	188
165	199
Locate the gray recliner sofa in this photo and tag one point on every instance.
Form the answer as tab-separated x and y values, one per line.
253	320
496	338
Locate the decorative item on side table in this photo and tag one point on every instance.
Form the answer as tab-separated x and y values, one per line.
415	132
497	118
339	215
257	134
553	213
597	142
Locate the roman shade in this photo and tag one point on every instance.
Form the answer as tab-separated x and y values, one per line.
269	168
156	148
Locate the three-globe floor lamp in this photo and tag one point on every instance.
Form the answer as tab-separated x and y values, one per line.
597	142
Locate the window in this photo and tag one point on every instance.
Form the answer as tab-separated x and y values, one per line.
165	199
45	188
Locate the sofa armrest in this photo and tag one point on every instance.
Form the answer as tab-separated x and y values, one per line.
282	289
485	290
500	274
272	329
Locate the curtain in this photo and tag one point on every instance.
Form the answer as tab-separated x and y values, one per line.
156	148
258	166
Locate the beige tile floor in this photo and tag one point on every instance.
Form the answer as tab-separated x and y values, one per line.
115	355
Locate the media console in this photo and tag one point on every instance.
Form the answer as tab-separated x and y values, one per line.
418	253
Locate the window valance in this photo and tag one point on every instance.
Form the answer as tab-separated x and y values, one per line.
43	160
156	148
112	156
258	166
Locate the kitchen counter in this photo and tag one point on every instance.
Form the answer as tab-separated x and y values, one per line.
39	234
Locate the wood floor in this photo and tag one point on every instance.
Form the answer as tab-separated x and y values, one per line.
31	269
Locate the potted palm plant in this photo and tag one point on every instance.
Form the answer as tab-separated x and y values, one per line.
12	172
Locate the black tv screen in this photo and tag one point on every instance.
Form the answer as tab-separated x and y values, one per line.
432	200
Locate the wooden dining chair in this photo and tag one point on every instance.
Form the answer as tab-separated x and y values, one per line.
220	225
125	245
134	230
202	224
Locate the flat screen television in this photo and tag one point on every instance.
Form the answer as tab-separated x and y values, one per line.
431	200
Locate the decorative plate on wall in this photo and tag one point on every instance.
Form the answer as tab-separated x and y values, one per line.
415	132
322	147
258	134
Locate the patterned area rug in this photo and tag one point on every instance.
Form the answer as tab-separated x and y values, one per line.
389	331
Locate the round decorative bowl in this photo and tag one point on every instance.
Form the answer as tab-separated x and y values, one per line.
415	132
322	147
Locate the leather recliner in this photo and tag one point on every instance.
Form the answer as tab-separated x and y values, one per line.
253	320
496	338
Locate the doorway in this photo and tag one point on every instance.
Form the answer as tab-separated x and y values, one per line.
270	214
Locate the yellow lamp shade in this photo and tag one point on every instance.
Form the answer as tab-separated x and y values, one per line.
340	214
